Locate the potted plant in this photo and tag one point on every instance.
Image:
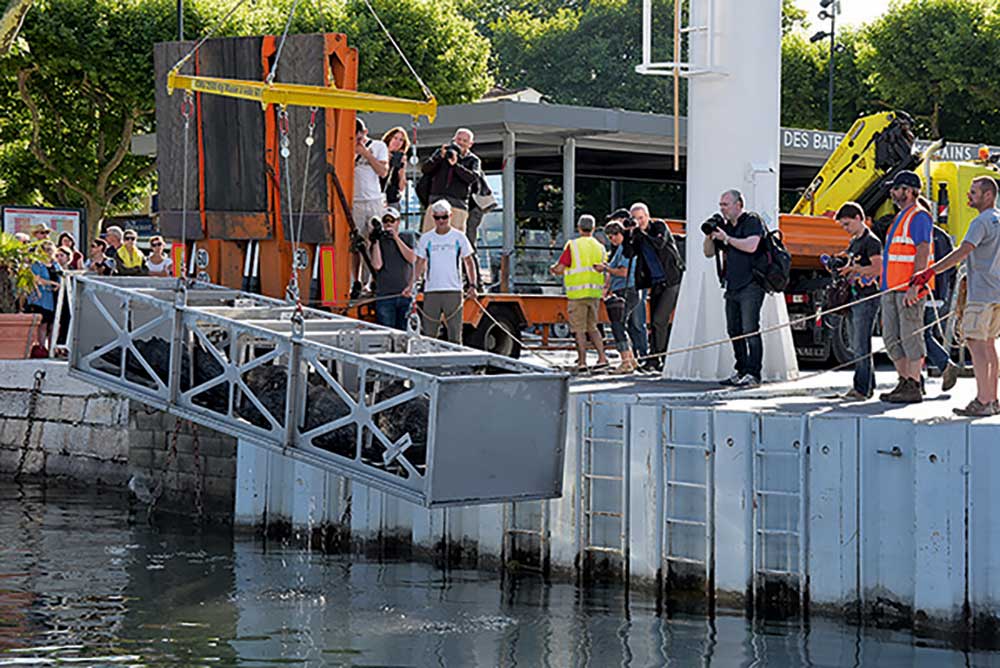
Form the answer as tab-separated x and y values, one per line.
17	330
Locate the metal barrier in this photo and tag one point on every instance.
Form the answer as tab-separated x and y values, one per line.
429	421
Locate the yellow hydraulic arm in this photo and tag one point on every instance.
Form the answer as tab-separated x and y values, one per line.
284	94
10	23
874	147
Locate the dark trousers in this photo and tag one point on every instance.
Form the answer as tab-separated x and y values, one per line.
742	317
635	321
662	301
392	311
936	354
862	324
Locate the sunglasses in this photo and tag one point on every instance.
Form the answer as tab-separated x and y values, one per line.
156	244
437	217
129	238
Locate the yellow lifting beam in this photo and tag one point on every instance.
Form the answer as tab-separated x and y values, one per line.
299	95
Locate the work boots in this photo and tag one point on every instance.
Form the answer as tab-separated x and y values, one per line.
907	392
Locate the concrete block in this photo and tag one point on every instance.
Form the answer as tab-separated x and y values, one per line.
220	467
105	443
141	459
734	435
34	462
48	407
9	460
72	409
13	432
251	484
58	435
105	410
13	403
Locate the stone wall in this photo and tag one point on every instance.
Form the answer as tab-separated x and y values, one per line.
81	434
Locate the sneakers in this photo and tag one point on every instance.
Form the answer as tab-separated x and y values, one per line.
732	380
977	409
854	395
747	380
907	392
949	376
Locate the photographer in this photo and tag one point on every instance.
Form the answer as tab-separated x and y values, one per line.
371	162
453	171
736	234
659	268
861	268
392	257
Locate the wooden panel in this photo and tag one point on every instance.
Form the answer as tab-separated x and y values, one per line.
237	225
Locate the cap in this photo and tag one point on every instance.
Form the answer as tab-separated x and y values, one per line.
619	214
40	227
904	178
391	212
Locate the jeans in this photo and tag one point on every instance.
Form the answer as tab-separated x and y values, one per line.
617	317
662	301
742	317
862	324
392	312
936	354
635	319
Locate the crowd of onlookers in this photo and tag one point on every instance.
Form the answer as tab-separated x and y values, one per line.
113	254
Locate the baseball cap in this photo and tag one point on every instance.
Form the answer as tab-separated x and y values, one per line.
619	214
904	178
391	212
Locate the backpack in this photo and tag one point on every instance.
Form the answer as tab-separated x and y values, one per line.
772	264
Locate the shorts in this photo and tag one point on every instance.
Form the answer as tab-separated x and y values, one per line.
981	321
362	211
48	317
583	315
902	327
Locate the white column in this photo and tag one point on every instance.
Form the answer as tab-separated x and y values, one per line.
732	142
569	188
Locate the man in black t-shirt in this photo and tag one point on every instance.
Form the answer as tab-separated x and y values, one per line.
738	239
392	257
863	271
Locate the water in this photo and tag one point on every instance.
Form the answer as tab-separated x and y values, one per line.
83	584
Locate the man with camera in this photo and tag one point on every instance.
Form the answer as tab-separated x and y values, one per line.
392	258
371	162
659	268
453	170
860	268
736	234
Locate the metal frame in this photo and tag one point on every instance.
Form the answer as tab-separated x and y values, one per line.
686	69
230	334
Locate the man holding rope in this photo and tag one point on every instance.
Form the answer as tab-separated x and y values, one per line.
908	253
439	253
981	322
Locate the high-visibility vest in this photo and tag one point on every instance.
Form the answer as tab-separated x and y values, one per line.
582	280
902	252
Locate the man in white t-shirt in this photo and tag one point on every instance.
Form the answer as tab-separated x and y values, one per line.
371	162
440	252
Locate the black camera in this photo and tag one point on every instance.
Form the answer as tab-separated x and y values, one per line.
628	223
377	230
452	150
712	224
836	262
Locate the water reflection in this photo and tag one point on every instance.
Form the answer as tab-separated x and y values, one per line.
80	583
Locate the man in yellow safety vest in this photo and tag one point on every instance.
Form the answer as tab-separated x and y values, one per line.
579	265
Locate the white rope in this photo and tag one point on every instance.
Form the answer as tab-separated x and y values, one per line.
423	86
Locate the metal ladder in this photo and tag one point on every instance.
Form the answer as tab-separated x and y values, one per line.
793	530
589	476
675	487
540	532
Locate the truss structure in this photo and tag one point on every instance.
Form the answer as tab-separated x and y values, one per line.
419	418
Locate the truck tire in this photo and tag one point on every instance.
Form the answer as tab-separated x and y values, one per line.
840	335
494	338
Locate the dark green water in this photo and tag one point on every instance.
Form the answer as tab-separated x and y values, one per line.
82	585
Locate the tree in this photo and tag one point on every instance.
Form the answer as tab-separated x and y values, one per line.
936	59
792	17
73	98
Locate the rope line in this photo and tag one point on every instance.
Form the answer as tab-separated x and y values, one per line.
423	86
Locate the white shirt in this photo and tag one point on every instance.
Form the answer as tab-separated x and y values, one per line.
444	253
165	265
366	184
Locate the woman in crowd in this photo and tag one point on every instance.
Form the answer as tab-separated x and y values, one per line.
42	299
67	241
158	263
130	260
394	183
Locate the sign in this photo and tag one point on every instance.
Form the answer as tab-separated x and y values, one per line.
820	141
143	226
24	218
327	280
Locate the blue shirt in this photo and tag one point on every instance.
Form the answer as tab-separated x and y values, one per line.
656	271
618	260
43	296
921	228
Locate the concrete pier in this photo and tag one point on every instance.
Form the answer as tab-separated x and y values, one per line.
777	500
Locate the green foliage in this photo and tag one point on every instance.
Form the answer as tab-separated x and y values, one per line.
16	277
936	59
792	17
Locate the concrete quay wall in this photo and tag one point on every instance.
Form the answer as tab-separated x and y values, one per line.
83	435
885	518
